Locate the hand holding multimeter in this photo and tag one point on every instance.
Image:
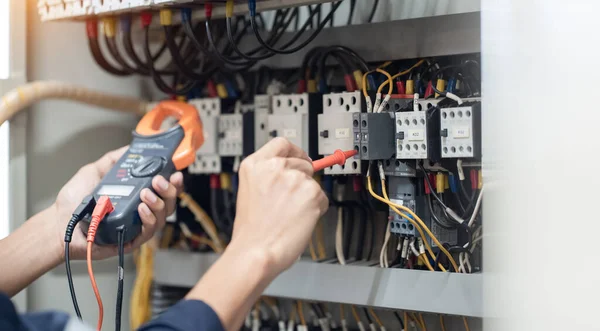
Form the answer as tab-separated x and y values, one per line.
110	214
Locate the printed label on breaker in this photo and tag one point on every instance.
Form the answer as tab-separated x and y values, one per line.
416	135
343	133
462	132
290	133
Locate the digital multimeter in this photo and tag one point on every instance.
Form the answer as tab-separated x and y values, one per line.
152	152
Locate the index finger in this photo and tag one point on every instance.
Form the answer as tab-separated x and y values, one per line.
106	162
281	147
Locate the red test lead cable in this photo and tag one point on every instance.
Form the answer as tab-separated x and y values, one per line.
338	157
103	207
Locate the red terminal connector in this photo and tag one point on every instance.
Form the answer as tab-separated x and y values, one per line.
400	87
208	9
429	91
350	83
103	207
357	184
432	181
301	86
212	89
215	182
91	27
427	190
474	176
338	157
146	18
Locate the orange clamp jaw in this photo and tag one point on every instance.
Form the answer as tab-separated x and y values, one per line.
189	120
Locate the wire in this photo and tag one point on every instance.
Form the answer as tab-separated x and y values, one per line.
435	217
321	240
466	323
70	281
415	220
121	274
422	322
373	11
399	320
94	285
376	317
201	240
355	314
205	221
339	233
442	324
283	50
400	74
301	312
351	14
476	209
140	309
383	253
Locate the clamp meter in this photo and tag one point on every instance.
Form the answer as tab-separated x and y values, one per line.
152	152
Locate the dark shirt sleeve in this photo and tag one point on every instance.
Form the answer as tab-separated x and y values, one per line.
46	321
187	315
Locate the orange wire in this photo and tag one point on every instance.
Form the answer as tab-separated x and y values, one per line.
94	285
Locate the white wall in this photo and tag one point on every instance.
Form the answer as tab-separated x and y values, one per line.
62	137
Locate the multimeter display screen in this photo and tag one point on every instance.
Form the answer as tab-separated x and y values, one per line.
116	190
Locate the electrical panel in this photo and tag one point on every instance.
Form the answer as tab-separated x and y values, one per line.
295	118
461	131
335	129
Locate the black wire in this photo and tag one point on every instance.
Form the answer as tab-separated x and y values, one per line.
435	217
348	222
368	316
352	9
399	319
373	11
94	46
70	280
111	44
284	49
178	59
159	81
121	275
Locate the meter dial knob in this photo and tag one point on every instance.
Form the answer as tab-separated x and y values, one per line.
148	167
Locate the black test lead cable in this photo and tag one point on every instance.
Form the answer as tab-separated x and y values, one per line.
120	275
84	209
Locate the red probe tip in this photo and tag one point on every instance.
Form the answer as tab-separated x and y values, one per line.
338	157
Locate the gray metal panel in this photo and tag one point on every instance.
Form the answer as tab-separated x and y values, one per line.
435	292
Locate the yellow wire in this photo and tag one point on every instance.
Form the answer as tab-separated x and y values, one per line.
423	257
166	236
382	86
301	313
342	313
414	221
293	313
414	317
405	321
442	324
387	74
140	308
205	221
423	322
321	241
376	317
466	324
311	249
355	314
394	206
202	241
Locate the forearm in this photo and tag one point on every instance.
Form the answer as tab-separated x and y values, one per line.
233	284
29	252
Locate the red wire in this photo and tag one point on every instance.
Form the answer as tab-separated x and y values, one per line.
94	285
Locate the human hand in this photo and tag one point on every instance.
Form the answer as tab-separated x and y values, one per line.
278	205
153	210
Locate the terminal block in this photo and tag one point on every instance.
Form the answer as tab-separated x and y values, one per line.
335	129
374	135
461	131
295	118
262	109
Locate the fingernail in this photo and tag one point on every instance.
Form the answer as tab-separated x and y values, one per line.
145	210
151	196
162	183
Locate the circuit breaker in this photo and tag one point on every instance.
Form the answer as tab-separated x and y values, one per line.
416	135
374	135
402	192
295	118
461	131
335	129
231	135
